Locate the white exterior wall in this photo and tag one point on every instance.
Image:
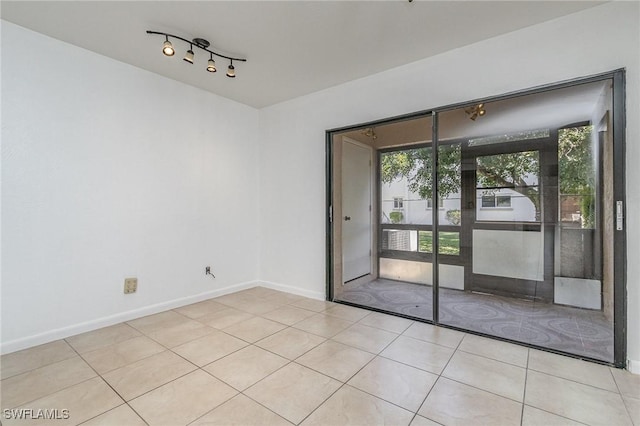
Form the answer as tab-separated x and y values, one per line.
597	40
109	171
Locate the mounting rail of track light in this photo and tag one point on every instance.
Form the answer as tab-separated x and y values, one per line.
200	43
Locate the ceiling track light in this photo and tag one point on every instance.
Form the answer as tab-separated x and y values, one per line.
167	48
200	43
231	71
188	57
475	111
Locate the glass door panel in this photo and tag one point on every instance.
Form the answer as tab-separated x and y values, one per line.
530	242
401	281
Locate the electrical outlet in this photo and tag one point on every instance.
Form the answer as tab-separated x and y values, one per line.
130	285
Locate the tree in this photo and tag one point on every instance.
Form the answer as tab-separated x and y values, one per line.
516	171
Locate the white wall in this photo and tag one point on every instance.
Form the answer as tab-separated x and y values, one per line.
292	156
109	171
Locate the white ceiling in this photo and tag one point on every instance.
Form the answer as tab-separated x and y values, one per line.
293	47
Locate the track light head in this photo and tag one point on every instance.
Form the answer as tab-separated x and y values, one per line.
211	65
167	48
231	71
189	56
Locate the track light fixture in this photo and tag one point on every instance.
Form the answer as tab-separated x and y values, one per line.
189	55
475	111
231	71
167	48
211	64
200	43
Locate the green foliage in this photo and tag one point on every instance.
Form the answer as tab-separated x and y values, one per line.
415	165
396	217
449	242
453	216
576	170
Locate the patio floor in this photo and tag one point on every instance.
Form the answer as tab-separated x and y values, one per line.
577	331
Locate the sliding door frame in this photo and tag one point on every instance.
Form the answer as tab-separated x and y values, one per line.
619	190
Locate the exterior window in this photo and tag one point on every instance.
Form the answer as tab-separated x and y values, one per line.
503	201
488	201
496	201
398	203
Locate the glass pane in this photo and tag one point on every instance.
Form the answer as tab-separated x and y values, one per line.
531	233
517	170
402	278
406	186
399	239
449	242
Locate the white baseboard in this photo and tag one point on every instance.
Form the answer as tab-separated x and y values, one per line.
318	295
61	333
633	366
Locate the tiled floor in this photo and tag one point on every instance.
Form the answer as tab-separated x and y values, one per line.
583	332
262	357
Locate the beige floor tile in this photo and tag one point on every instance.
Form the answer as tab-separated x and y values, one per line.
224	318
283	298
102	337
83	401
241	411
348	313
534	417
366	338
236	299
423	421
313	305
577	370
142	376
29	359
181	333
431	333
420	354
209	348
453	403
495	349
386	322
293	391
119	416
121	354
290	342
288	315
493	376
323	325
257	291
258	306
183	400
323	359
576	401
633	407
394	382
349	406
254	329
43	381
245	367
628	384
159	321
200	309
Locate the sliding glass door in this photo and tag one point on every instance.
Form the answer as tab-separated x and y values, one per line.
514	234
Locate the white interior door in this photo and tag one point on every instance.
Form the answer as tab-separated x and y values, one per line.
356	210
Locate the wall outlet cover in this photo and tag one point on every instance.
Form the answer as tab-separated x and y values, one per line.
130	285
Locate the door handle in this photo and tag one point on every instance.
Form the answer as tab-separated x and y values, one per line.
347	218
